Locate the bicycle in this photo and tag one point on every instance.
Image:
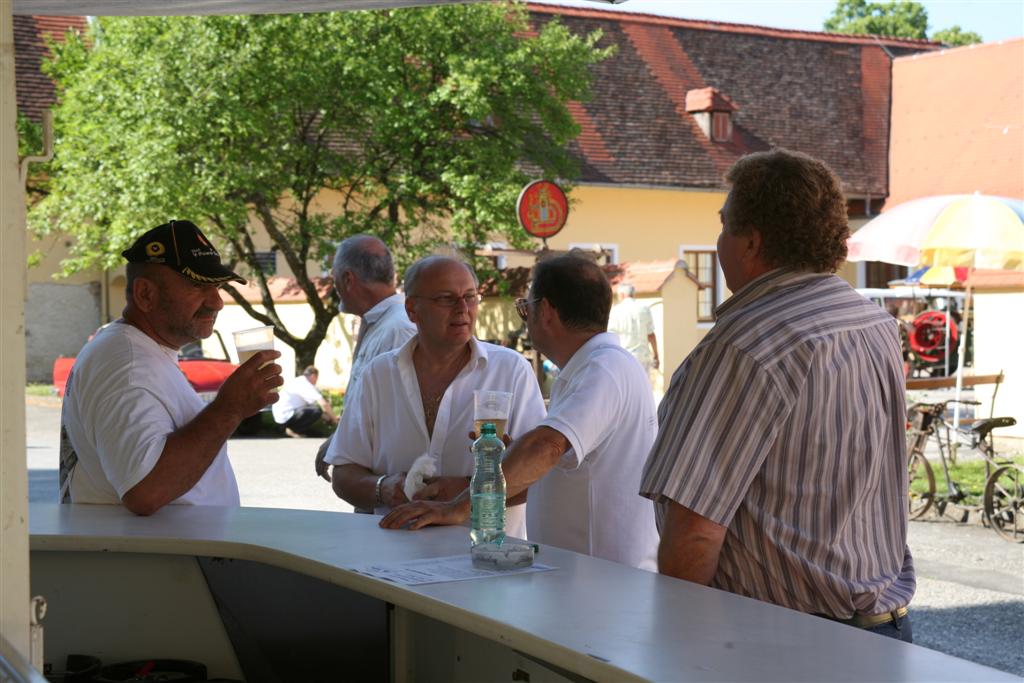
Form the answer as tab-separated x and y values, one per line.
1003	498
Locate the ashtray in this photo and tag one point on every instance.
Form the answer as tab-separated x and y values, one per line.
504	556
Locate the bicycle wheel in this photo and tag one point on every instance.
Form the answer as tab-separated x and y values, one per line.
922	485
1004	503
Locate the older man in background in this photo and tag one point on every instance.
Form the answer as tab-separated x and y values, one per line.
419	399
634	324
364	277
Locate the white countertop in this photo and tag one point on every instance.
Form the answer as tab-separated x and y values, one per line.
596	618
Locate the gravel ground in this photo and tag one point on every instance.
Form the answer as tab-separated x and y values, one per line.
970	592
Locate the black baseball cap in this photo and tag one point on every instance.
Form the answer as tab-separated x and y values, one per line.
183	247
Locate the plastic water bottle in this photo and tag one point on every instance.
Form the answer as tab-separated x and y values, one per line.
487	489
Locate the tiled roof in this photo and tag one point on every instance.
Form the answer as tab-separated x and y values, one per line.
34	89
708	99
820	93
958	122
648	277
983	280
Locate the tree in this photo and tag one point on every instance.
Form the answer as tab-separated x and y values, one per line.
413	125
954	36
900	18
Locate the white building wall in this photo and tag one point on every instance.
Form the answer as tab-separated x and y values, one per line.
59	318
997	320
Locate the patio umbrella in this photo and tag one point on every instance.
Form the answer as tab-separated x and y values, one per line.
957	231
978	231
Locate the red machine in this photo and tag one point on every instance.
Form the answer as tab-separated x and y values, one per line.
928	336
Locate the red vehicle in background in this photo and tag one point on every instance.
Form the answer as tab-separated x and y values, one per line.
206	374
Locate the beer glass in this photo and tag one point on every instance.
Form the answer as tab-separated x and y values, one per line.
249	342
491	406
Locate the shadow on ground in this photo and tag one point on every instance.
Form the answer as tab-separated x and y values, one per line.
947	630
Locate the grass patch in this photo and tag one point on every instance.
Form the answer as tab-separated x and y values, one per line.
970	475
39	390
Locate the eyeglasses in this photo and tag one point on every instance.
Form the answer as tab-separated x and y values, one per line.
523	307
450	300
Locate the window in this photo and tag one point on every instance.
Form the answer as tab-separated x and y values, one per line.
703	265
267	261
721	126
878	275
612	250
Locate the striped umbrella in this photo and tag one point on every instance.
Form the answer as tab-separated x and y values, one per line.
955	231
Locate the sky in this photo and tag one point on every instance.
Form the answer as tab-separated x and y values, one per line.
992	19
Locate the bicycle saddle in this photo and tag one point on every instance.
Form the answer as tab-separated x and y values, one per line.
983	427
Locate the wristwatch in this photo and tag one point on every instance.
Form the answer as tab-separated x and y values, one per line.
378	501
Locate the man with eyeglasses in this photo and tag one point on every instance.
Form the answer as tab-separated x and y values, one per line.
419	399
364	278
582	463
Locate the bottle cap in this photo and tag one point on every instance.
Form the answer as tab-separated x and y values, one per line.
489	429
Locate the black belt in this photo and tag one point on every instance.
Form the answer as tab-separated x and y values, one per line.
871	620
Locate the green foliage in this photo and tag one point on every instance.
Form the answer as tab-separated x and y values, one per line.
954	36
408	124
898	19
902	19
30	136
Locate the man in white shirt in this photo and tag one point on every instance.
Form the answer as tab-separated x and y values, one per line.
302	405
364	277
583	463
419	398
133	430
632	321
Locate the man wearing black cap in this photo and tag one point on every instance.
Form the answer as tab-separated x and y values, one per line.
133	430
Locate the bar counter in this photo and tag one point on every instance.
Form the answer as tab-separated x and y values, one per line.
254	591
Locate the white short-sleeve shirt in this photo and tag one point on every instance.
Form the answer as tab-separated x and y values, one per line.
602	404
125	396
296	394
386	327
385	430
633	323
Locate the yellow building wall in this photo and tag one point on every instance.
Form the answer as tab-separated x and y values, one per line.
997	348
646	224
681	334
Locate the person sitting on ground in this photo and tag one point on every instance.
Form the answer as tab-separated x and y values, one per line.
302	405
133	430
419	398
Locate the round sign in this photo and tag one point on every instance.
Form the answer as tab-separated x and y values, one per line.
542	208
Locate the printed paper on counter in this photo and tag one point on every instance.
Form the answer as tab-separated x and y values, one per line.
437	570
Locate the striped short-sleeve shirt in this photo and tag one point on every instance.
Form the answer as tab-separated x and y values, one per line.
786	425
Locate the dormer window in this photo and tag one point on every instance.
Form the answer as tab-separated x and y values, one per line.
713	113
721	126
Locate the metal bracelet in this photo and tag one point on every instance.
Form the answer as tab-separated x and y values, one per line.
378	501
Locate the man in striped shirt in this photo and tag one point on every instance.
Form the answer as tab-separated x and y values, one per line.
779	470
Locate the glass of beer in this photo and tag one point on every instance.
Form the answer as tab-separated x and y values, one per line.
491	406
249	342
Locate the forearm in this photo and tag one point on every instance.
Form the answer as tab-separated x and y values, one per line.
356	485
530	457
186	456
328	413
653	341
690	545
